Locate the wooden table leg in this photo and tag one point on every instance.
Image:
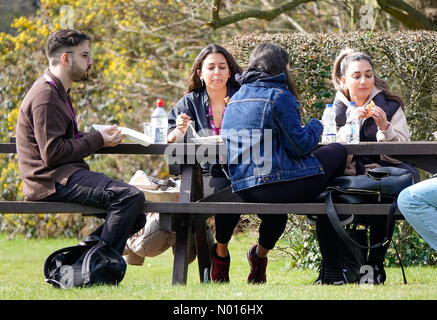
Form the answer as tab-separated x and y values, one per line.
189	192
183	239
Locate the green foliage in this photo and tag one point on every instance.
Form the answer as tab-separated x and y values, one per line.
413	250
299	243
47	225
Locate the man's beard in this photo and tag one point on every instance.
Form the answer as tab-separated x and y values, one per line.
76	74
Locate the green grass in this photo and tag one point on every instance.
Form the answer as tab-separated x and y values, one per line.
21	278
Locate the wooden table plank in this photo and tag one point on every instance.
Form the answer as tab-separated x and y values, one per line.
269	208
189	149
46	207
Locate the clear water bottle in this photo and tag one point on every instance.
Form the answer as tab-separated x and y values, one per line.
329	125
353	124
159	123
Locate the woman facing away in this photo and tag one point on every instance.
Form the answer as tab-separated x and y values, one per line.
270	155
354	78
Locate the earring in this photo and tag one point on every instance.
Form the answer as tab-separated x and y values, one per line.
201	80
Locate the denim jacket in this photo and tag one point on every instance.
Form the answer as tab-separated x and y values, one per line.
262	130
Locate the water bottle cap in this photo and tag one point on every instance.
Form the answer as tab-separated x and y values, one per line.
329	105
159	103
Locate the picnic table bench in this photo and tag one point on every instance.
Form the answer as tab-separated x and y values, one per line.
190	213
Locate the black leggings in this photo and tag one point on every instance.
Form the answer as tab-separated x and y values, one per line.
332	157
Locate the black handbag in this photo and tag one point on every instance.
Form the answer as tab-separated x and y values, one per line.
380	185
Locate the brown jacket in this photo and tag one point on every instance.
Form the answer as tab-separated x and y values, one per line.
47	149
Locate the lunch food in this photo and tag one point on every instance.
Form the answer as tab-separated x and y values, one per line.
369	109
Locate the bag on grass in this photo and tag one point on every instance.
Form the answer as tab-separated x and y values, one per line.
94	263
351	261
379	185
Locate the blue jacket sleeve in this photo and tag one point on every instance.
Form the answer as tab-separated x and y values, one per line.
295	139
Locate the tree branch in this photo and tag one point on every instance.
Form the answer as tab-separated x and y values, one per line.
287	18
216	22
401	11
407	15
215	10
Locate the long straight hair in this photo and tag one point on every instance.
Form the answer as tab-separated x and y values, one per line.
341	64
272	59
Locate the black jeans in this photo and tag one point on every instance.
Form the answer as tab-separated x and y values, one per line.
123	203
332	157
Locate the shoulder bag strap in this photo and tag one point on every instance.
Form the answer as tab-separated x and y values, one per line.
335	221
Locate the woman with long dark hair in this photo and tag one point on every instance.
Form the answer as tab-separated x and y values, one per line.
211	82
270	154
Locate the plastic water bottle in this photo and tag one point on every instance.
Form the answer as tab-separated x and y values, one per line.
353	123
329	125
159	123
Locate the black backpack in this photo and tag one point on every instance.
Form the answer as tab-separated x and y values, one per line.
94	263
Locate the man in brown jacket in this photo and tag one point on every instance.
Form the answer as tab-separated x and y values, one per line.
51	149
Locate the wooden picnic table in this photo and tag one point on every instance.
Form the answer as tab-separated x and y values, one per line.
190	213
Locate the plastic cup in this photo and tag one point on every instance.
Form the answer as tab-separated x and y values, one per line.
147	128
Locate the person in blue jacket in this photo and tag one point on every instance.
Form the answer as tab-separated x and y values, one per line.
271	155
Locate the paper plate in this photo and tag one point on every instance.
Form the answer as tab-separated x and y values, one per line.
208	140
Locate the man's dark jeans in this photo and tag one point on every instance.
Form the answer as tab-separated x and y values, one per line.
124	204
